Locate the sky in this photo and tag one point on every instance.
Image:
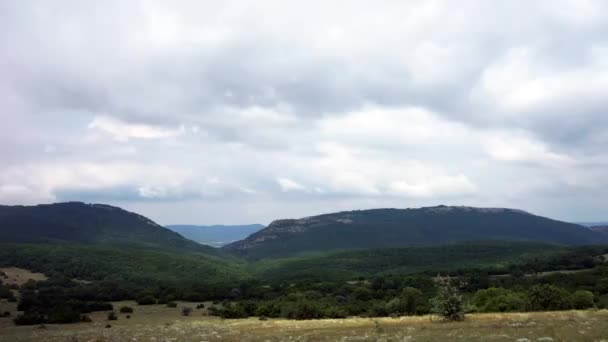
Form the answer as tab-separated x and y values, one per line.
233	112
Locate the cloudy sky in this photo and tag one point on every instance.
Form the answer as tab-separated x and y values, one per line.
247	111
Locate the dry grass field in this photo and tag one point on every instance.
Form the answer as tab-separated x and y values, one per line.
162	324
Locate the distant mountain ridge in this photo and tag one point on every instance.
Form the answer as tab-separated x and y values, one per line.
381	228
593	224
600	229
216	235
77	222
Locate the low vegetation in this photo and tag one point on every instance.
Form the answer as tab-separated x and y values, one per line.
167	325
505	277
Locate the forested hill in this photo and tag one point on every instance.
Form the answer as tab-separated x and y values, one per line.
84	223
380	228
603	229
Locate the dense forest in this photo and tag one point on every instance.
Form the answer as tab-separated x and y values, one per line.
495	276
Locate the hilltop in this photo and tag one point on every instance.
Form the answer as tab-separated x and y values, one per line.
83	223
381	228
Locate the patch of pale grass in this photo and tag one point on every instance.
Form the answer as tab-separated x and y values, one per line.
20	276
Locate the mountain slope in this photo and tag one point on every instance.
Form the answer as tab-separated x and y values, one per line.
603	229
216	235
497	255
77	222
380	228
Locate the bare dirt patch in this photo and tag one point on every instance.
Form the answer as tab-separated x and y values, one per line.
19	276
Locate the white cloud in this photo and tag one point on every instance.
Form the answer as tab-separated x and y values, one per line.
376	125
123	131
524	85
519	147
287	184
245	107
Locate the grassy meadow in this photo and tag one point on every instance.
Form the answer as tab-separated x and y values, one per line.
161	323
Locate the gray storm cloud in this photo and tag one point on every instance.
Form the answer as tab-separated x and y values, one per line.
189	111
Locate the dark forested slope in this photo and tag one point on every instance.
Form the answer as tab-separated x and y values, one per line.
84	223
381	228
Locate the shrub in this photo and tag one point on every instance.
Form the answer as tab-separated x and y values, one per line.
200	306
302	310
334	312
412	300
146	300
498	300
94	306
268	310
29	318
63	314
112	316
126	309
186	311
582	299
172	305
378	310
233	311
548	297
449	303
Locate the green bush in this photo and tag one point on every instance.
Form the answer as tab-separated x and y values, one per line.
126	309
112	316
498	300
172	305
548	297
146	300
268	310
582	299
302	310
229	311
409	302
334	312
63	314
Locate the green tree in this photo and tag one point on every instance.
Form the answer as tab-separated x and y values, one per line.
582	299
548	297
498	300
449	302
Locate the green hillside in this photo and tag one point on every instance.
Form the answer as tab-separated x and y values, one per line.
82	223
389	228
495	255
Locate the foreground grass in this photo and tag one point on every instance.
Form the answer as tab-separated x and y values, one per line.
158	323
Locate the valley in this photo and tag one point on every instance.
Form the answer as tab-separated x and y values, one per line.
363	275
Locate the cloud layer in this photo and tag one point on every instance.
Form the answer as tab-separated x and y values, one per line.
239	112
